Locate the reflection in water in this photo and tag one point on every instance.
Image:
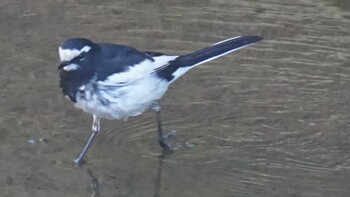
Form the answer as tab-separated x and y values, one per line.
94	184
158	181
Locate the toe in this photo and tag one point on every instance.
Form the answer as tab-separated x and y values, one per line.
170	134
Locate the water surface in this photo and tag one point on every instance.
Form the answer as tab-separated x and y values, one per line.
269	120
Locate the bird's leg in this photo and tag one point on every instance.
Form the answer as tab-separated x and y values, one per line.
95	130
162	136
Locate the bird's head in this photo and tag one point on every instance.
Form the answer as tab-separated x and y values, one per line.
75	53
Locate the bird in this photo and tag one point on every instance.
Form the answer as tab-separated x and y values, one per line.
114	81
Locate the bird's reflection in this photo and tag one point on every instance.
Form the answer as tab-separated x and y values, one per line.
158	180
94	184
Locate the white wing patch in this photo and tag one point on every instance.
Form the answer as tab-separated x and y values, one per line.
138	71
222	54
69	54
179	72
226	40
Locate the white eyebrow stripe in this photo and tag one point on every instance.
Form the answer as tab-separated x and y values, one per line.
69	54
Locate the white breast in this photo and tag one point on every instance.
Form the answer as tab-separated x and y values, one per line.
118	102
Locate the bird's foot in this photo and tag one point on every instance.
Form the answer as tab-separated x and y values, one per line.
79	161
166	146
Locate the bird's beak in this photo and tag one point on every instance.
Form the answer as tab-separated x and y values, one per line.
62	64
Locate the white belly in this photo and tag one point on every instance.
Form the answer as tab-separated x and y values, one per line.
117	102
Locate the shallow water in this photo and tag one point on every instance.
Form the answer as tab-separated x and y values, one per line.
269	120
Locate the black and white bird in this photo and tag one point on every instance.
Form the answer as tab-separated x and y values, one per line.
116	81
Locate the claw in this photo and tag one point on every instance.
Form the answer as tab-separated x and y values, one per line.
169	134
166	147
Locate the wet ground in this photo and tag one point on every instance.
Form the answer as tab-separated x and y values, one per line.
272	119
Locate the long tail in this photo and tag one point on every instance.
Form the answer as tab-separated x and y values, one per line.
185	62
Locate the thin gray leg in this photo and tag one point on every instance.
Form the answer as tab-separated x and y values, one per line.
161	136
95	129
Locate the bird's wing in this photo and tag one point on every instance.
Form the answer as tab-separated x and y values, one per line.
184	63
127	65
